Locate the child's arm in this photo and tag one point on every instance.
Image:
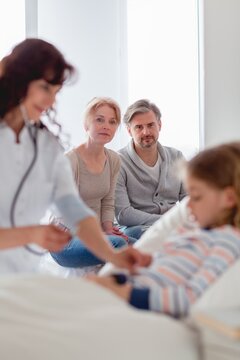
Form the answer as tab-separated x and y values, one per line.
171	300
176	300
109	282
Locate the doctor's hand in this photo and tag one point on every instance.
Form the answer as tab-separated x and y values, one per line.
130	258
49	237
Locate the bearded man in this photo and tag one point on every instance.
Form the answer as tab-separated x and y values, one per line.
147	185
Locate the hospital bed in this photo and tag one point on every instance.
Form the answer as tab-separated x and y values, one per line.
49	317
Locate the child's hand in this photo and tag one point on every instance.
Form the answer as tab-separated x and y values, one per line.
110	283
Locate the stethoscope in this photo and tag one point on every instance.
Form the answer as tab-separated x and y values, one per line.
33	130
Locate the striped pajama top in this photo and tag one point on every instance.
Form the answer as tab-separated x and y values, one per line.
187	265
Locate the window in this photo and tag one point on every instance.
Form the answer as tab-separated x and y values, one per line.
163	66
12	24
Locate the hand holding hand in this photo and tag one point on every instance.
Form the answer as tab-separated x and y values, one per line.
130	258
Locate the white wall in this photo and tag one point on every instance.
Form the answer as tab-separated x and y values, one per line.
221	71
11	35
92	36
89	33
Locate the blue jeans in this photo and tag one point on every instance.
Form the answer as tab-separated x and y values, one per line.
133	231
76	254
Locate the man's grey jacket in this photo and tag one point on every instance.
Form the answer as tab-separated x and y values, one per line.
139	199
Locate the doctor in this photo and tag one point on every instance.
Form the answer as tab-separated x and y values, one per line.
34	172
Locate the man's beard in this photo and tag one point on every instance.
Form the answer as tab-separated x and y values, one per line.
148	144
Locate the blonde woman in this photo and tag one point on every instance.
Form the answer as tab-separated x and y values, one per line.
95	170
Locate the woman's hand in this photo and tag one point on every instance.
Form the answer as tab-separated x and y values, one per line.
130	258
49	237
114	230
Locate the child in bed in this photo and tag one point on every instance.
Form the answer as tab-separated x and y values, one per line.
192	260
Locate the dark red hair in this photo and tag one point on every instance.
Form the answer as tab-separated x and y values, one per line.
32	59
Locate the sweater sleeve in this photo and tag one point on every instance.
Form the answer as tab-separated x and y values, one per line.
176	299
139	298
107	203
172	300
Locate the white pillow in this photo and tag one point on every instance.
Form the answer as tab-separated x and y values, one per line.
224	293
159	232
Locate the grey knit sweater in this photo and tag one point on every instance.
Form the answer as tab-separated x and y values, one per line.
139	200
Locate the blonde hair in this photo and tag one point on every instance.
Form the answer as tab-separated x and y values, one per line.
96	103
219	167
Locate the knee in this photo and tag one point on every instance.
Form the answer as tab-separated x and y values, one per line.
134	231
131	240
117	241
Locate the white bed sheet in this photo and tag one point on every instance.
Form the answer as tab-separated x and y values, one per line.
44	317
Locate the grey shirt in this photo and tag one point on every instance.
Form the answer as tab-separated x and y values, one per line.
140	200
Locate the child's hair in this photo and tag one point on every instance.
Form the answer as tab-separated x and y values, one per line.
219	167
97	102
32	59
